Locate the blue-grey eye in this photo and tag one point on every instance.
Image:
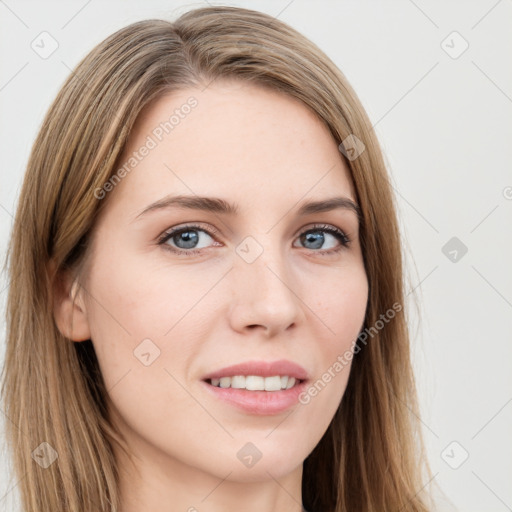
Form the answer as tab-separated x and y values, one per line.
316	237
187	238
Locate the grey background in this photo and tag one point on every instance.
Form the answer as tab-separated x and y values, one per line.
444	121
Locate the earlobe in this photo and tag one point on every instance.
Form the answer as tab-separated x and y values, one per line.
69	308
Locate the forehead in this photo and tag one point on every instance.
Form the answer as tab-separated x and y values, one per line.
233	139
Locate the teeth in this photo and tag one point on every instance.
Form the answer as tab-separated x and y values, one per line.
225	382
273	383
255	382
238	381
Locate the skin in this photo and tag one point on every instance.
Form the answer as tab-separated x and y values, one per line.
269	154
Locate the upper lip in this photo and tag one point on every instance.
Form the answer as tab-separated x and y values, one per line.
261	368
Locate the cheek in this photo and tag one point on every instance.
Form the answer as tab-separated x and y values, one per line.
143	327
134	300
147	322
341	308
156	296
341	305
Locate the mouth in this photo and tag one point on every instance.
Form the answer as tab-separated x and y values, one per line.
258	387
256	395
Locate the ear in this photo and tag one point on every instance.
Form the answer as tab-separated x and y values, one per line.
69	306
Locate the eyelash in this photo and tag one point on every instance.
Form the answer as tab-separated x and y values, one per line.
337	233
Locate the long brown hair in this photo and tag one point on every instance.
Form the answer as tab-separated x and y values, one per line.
371	458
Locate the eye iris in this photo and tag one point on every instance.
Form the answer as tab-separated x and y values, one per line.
316	237
190	238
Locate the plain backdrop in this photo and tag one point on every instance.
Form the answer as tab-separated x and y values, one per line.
436	80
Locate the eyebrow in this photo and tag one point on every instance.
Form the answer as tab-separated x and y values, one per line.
217	205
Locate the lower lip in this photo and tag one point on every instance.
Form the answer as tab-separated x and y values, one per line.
259	402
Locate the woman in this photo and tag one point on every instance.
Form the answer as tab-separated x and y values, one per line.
206	309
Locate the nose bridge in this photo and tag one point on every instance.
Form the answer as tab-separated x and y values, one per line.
260	260
263	291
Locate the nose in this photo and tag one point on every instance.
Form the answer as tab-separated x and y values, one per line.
264	296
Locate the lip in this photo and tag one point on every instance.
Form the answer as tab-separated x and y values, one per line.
261	368
259	402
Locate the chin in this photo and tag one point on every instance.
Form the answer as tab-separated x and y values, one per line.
262	471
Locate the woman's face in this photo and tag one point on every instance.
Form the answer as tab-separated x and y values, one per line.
270	282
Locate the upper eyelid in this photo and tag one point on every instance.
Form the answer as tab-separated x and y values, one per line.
198	226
